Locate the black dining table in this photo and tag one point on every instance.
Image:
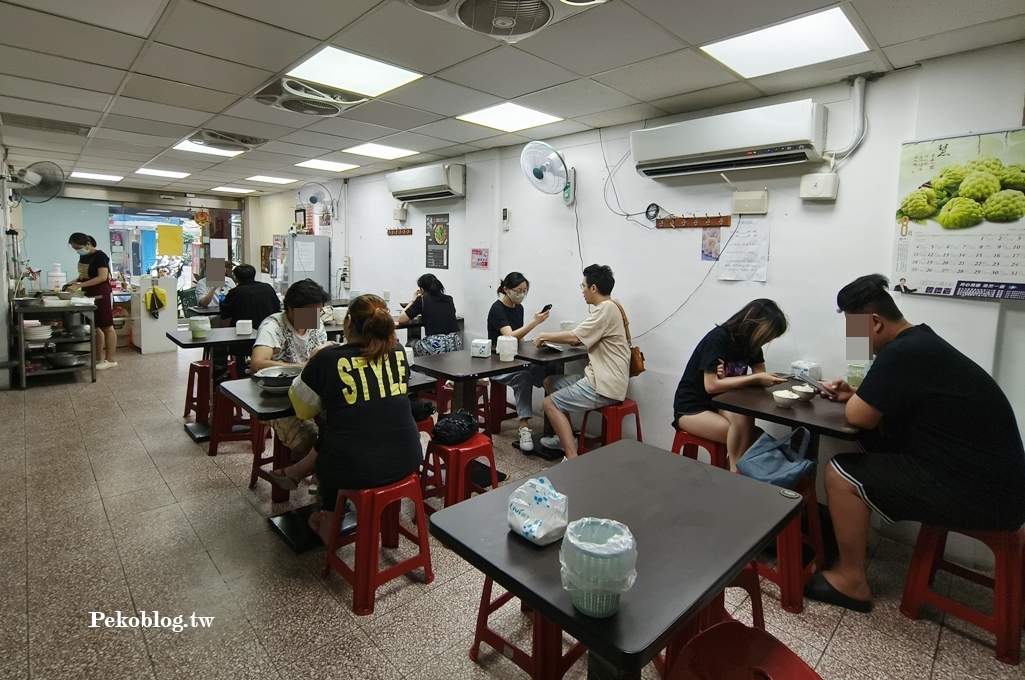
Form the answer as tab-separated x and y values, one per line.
696	528
464	371
554	363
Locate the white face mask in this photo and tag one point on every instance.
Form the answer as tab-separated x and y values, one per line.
516	296
82	251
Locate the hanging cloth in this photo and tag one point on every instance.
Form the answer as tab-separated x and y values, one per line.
156	299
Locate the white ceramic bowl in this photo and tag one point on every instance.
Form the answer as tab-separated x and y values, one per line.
803	392
785	402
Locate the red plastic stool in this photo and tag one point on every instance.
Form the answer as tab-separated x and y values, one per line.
611	424
687	444
443	395
1008	548
732	651
546	660
228	425
281	457
378	513
445	471
425	425
500	410
197	394
790	573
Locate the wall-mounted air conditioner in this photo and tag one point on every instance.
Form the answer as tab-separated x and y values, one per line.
782	134
428	182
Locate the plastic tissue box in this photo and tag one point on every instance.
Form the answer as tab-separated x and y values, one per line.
480	348
808	368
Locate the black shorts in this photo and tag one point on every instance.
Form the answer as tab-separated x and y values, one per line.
899	487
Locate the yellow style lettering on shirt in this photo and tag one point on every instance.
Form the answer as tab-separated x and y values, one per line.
348	382
378	369
398	386
361	364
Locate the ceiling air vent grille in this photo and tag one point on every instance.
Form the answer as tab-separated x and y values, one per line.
44	124
289	94
505	17
226	141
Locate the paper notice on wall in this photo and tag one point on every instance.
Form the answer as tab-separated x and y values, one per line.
169	240
305	255
219	248
744	249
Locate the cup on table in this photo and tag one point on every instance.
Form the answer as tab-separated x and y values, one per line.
506	347
198	326
244	327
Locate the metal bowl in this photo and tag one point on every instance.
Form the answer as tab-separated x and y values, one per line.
278	376
28	302
80	330
67	359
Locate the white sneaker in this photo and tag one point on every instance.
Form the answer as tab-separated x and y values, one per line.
552	443
526	439
105	365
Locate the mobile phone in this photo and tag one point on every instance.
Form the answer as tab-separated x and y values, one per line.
546	308
557	348
785	376
816	384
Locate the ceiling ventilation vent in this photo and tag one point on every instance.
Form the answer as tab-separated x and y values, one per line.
226	141
505	20
43	124
289	94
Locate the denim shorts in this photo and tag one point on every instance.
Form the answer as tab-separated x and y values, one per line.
573	394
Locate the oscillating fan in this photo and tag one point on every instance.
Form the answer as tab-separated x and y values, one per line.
317	195
547	171
37	183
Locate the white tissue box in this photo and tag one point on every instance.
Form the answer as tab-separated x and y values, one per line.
480	348
808	368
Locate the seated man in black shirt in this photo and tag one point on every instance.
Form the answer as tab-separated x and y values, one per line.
953	454
250	299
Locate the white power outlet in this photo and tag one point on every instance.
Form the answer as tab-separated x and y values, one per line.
386	296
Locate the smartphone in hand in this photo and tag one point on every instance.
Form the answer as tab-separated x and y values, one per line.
546	308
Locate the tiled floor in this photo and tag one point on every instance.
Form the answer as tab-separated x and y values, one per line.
108	505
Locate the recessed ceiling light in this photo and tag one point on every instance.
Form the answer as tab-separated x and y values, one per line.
389	153
809	40
270	180
93	175
509	117
202	148
162	173
353	73
233	190
326	165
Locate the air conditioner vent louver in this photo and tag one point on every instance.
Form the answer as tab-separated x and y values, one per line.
43	124
226	141
289	94
505	17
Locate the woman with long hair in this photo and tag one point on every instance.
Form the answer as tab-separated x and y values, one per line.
370	438
438	311
94	279
720	363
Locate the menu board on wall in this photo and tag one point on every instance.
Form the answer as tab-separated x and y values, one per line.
437	241
960	230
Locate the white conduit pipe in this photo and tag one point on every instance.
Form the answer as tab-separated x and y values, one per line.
858	100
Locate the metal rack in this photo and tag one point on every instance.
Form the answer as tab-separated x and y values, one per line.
22	312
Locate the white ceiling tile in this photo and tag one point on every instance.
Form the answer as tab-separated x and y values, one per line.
440	96
707	98
200	28
353	129
390	115
959	40
193	68
501	140
398	34
316	18
136	17
820	74
627	114
297	150
104	163
53	69
166	162
273	159
137	108
576	98
342	157
148	88
147	127
664	76
98	144
319	140
118	155
251	109
44	141
23	88
456	150
20	27
507	72
896	22
596	40
413	141
252	128
48	156
705	22
66	114
455	131
564	127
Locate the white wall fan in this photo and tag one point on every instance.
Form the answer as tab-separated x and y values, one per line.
37	183
546	169
318	198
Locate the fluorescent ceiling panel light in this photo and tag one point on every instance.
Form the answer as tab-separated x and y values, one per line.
156	210
326	165
93	175
388	153
202	148
352	73
162	173
233	190
508	117
809	40
270	180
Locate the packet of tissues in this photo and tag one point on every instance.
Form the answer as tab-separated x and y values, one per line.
538	512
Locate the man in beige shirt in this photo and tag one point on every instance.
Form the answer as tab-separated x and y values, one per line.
605	379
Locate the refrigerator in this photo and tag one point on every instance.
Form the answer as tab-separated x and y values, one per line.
300	256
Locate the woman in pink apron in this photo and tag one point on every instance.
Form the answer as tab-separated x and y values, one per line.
94	278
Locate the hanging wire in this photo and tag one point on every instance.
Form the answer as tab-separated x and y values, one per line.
609	180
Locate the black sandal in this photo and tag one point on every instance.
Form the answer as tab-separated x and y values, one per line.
818	588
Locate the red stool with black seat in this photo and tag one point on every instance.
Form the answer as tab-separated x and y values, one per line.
378	513
446	470
1008	550
499	411
790	573
611	424
732	651
687	444
197	394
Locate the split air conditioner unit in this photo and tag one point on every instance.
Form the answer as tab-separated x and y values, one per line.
782	134
428	182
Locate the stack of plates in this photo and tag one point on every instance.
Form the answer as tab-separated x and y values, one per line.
37	332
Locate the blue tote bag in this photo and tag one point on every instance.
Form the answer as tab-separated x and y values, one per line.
775	461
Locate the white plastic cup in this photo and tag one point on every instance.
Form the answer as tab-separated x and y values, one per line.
506	348
244	327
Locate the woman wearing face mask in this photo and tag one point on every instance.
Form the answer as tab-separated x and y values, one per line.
94	279
506	318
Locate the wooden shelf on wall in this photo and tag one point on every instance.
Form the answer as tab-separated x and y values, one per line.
400	232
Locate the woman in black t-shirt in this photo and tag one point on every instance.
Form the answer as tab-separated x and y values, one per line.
441	329
370	438
94	278
720	363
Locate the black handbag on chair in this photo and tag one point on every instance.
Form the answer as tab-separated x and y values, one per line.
454	428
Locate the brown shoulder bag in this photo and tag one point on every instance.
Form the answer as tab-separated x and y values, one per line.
636	355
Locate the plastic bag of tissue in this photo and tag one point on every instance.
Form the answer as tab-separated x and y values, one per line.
538	512
598	558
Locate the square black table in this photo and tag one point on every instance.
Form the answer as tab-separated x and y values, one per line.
554	363
696	528
464	371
